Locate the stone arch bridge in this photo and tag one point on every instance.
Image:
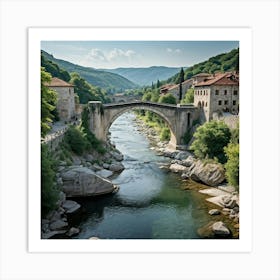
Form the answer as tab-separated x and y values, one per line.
179	118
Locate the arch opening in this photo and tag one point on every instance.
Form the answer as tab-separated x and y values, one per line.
114	116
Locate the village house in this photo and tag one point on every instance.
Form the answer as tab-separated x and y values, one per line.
217	93
65	99
175	89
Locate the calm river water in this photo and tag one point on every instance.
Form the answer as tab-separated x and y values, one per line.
151	202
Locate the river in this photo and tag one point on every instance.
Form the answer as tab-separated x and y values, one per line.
151	202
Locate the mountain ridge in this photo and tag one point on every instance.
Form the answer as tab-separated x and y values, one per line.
104	79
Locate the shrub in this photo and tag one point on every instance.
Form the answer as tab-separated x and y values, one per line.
76	140
232	165
210	140
165	134
49	191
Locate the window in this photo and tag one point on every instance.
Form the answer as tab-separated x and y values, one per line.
226	102
225	92
216	92
235	92
205	104
220	102
234	102
204	92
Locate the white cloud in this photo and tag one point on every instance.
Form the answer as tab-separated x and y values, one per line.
96	54
119	54
169	50
99	58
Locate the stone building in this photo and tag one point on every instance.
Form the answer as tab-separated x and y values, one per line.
66	99
217	94
175	89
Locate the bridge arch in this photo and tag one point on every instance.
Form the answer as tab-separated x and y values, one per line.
177	117
150	109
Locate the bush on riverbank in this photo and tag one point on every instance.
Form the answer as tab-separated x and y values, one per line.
232	164
49	190
210	140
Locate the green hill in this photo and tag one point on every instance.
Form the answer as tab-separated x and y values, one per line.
109	81
145	76
220	63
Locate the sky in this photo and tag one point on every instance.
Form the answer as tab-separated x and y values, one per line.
115	54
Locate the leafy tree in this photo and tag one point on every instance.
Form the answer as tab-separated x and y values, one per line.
76	140
49	191
232	164
168	98
210	140
147	96
165	134
235	135
189	97
48	101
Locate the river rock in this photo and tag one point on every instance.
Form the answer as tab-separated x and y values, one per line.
82	181
71	206
214	230
220	229
117	156
54	234
96	167
104	173
58	225
106	165
210	174
182	155
178	168
214	212
72	231
188	162
116	167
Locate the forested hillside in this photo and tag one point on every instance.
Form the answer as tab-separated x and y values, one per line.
85	91
109	81
219	63
145	76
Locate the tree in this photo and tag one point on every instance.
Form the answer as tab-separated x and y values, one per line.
158	84
180	77
232	165
168	98
189	96
210	140
49	191
48	101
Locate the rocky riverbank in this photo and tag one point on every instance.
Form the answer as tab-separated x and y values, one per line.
87	176
221	199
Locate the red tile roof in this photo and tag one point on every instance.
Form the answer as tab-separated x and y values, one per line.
56	82
220	79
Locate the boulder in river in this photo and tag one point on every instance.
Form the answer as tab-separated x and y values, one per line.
214	230
211	174
178	168
104	173
82	181
116	167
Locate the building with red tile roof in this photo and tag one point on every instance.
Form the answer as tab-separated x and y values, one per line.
216	94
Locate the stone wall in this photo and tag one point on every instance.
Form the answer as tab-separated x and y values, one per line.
65	103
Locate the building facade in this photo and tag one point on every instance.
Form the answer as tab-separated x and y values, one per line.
217	94
65	99
175	89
